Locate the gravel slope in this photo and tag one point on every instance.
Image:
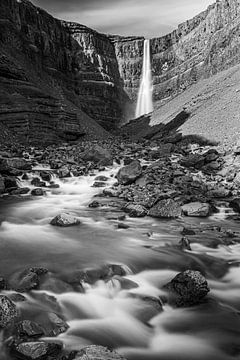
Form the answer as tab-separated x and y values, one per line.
214	104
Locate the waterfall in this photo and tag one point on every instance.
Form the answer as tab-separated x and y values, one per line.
144	102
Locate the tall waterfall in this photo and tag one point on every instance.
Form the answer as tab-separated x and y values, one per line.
144	102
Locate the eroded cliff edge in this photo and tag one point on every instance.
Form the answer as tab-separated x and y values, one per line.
57	80
199	47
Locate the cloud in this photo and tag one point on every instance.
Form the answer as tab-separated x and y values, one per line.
126	17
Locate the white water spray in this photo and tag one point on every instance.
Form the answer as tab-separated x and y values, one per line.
144	102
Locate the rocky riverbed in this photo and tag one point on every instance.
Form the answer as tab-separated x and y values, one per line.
120	250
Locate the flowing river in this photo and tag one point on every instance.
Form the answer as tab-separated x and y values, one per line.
108	313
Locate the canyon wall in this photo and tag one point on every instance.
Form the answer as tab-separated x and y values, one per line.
200	47
56	78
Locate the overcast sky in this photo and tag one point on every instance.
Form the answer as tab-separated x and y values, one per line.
126	17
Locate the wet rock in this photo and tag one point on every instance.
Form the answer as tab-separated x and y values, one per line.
196	209
10	182
122	283
166	209
235	204
20	191
37	350
91	275
148	307
3	283
184	244
94	204
122	226
26	280
134	210
97	352
129	173
46	176
55	285
16	297
101	178
8	311
37	182
188	231
27	328
98	184
57	325
38	192
64	172
111	192
98	155
187	288
65	220
15	163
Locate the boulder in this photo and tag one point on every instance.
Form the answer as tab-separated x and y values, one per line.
187	288
65	220
97	352
8	311
37	350
26	280
235	204
196	209
166	209
38	192
135	210
37	182
27	328
129	173
98	155
16	163
46	176
20	191
64	172
10	182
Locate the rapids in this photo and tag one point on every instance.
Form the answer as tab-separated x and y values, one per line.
105	313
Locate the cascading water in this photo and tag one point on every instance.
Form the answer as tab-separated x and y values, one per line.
144	102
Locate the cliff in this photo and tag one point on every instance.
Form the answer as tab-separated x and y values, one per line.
198	48
56	79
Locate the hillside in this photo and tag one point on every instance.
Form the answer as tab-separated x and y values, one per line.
214	104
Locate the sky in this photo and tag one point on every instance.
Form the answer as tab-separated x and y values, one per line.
148	18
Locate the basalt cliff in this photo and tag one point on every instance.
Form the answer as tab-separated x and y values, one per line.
61	80
58	80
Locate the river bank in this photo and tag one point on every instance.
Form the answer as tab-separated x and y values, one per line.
93	237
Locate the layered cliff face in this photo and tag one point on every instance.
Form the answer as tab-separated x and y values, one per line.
55	78
200	47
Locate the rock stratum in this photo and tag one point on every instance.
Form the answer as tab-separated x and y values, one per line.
200	47
61	80
58	80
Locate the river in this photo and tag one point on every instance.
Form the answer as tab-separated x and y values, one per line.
105	313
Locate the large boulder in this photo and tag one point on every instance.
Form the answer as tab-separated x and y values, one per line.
135	210
166	209
8	311
129	173
37	350
196	209
187	288
65	220
98	155
97	352
16	163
